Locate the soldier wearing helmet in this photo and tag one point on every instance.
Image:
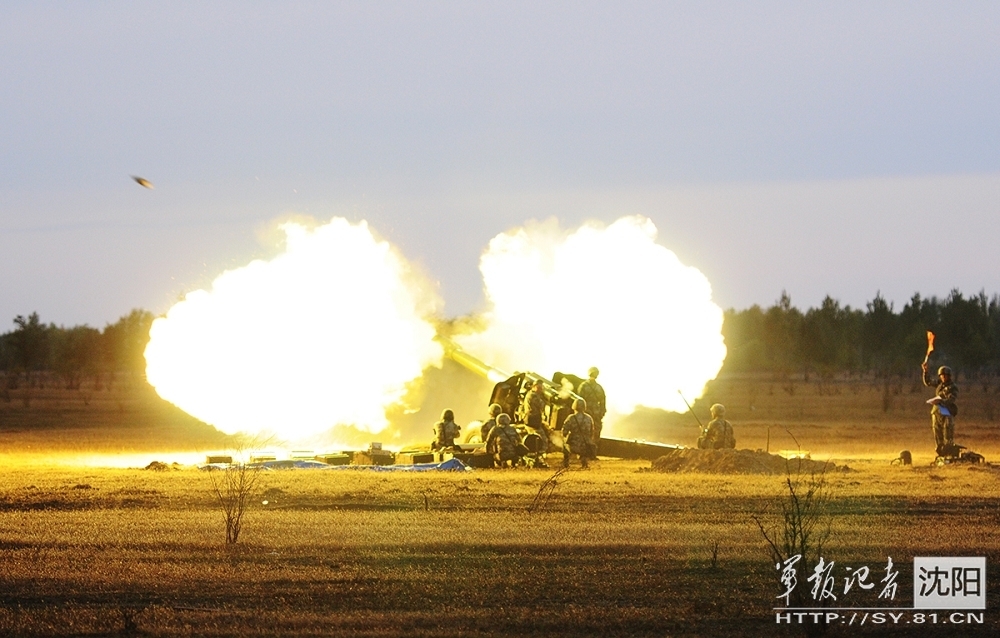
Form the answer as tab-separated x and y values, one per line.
484	430
592	392
944	408
534	418
578	432
445	431
505	443
718	434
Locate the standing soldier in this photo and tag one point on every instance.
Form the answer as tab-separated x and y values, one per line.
445	431
943	410
718	435
505	443
534	409
592	392
578	432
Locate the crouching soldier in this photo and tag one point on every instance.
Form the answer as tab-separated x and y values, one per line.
718	435
445	431
484	430
505	442
578	432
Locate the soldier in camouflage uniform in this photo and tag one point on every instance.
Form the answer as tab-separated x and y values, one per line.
718	435
592	392
578	432
484	430
534	410
944	409
505	443
445	431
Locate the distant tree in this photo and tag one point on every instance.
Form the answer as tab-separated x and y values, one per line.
29	344
744	335
782	335
880	339
75	353
124	342
830	338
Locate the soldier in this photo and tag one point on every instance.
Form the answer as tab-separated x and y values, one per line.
578	432
445	431
943	410
505	443
534	409
484	430
592	392
718	434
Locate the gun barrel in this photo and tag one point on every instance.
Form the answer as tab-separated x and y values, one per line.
480	367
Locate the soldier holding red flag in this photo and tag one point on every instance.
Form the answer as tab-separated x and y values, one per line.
944	407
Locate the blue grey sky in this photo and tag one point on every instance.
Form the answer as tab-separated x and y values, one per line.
820	148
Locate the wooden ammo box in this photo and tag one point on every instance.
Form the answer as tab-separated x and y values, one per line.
342	458
373	457
412	457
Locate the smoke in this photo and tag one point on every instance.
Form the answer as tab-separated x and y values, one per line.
328	333
607	297
332	341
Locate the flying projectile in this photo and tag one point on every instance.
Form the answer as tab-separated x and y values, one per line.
143	182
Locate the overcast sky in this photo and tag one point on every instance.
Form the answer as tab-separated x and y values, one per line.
820	148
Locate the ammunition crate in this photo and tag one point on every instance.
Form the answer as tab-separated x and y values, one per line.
412	458
335	459
373	457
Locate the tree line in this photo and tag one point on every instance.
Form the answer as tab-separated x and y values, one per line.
834	339
824	341
33	350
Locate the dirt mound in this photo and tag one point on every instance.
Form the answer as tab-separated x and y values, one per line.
738	462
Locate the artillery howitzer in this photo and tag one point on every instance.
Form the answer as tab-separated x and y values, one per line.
510	390
509	393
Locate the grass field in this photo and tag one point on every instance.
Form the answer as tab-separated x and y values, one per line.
90	550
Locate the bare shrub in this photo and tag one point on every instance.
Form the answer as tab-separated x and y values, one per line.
803	526
234	486
545	491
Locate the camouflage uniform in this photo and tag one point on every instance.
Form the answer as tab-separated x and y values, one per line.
505	442
592	392
943	425
534	404
578	432
484	430
717	436
445	431
534	407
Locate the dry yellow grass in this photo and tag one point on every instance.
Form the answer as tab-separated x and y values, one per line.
617	550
